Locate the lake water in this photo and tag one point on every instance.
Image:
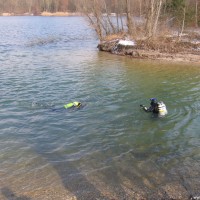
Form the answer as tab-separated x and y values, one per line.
109	149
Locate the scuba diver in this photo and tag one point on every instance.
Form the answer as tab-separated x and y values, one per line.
71	106
74	104
155	107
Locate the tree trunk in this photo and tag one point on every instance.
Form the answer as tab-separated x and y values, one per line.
121	16
158	9
129	18
117	14
108	19
183	23
149	20
196	14
30	6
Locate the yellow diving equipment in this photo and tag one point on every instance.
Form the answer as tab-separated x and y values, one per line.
72	104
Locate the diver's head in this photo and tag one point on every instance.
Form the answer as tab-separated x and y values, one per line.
79	104
154	100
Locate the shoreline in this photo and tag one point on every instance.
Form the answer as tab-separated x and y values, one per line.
186	55
45	14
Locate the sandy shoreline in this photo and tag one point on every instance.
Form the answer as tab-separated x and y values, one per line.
93	186
43	180
176	57
62	14
47	14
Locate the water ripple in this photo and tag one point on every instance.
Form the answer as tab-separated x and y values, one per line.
43	69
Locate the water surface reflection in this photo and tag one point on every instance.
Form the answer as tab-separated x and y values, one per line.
110	149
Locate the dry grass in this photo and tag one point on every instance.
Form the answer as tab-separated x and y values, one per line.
168	45
167	40
114	36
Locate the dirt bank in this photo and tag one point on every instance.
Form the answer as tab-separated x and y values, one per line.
169	48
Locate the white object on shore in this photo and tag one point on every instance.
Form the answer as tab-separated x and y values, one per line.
126	43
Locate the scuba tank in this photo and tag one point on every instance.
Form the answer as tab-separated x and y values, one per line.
162	110
73	104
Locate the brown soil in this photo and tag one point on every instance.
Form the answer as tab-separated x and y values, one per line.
169	48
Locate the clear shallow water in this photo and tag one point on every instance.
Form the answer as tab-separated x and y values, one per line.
110	148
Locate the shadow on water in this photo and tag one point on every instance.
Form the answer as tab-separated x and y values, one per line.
72	179
79	184
128	181
75	182
7	193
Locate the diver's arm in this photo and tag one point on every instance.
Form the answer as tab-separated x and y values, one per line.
150	109
145	108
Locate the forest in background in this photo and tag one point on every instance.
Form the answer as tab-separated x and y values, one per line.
37	6
142	17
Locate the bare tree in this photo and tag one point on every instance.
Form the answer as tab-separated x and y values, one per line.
98	16
196	13
129	18
152	17
29	4
117	14
183	22
120	6
93	14
110	24
157	15
98	13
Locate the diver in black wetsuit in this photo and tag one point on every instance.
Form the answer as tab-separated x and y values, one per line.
155	107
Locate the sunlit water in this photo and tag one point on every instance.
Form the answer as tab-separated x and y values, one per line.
110	148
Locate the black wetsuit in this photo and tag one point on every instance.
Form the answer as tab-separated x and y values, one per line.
153	107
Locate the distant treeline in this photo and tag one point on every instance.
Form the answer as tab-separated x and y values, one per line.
37	6
154	14
137	7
